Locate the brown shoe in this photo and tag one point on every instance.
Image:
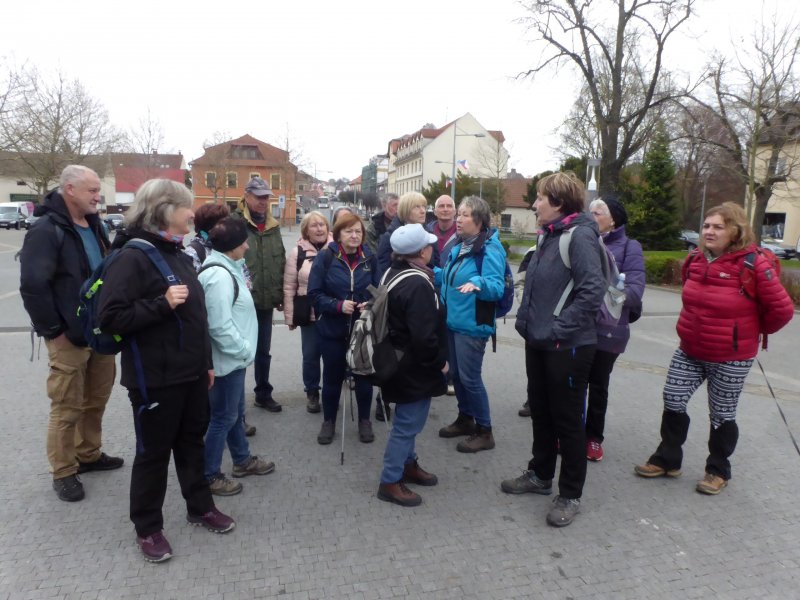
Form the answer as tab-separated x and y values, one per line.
463	425
650	470
413	473
249	430
399	494
481	439
711	484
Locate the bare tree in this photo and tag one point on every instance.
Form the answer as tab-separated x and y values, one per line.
753	100
217	163
53	124
492	160
147	137
620	60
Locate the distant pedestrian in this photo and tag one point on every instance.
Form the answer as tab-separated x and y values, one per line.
67	244
444	227
340	210
381	220
337	284
265	260
168	371
314	236
472	282
560	343
719	328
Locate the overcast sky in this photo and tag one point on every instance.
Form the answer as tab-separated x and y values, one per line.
344	77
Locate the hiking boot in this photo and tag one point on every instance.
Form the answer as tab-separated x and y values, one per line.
325	435
312	405
481	439
451	389
365	431
711	484
213	520
249	430
222	486
463	425
527	483
563	512
104	463
267	403
155	548
525	411
594	450
383	411
69	488
399	494
650	470
253	466
413	473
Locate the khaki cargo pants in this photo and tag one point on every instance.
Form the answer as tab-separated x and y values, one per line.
78	386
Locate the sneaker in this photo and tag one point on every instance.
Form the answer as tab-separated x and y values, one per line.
711	484
525	411
451	389
594	451
650	470
104	463
527	483
253	466
267	403
213	520
155	548
326	432
222	486
563	512
383	411
463	425
69	488
365	431
249	430
399	494
413	473
312	405
481	439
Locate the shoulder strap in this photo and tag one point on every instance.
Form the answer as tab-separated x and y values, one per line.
563	249
199	249
686	263
155	257
327	258
233	277
301	257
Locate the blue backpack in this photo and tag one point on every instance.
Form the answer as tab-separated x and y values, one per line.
100	341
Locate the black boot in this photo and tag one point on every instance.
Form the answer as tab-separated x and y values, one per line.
721	444
674	428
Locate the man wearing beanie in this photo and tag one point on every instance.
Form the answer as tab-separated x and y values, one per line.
265	259
233	328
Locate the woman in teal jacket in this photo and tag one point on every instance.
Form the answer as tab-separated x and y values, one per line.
233	328
472	282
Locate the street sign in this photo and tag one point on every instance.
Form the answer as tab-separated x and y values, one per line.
282	202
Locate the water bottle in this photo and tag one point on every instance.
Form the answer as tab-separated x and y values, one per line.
621	281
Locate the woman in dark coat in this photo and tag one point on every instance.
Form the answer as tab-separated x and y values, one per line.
417	329
168	370
337	285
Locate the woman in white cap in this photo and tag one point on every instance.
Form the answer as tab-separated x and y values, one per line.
417	329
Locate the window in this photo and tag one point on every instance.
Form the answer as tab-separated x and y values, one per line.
275	181
302	187
232	179
255	174
211	179
505	222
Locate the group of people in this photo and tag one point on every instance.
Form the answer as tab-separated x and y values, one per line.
194	319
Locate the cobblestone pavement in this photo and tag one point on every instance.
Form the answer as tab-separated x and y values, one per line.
315	529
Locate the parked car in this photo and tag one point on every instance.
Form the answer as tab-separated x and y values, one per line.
11	217
115	221
29	221
784	252
690	238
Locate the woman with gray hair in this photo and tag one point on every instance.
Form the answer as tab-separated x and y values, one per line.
166	362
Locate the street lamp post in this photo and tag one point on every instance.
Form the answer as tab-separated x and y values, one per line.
592	165
455	166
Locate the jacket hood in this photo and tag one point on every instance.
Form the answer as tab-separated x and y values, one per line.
55	206
242	208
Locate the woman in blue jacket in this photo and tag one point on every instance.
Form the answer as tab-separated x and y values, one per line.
471	283
338	285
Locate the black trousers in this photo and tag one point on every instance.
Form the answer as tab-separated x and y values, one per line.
173	421
599	376
557	383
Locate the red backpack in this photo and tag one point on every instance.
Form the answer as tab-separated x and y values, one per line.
747	276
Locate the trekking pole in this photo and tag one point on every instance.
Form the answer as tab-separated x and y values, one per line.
347	378
344	418
775	398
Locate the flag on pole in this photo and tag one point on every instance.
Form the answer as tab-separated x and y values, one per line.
449	182
463	165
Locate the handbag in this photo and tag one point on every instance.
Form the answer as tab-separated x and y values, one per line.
302	310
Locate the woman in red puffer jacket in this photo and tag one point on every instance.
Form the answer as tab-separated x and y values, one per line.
719	328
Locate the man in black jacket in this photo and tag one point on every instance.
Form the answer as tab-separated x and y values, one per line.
60	251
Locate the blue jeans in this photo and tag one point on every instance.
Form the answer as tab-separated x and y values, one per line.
263	359
466	362
334	369
409	419
226	400
312	353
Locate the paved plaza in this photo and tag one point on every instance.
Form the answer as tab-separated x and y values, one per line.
315	529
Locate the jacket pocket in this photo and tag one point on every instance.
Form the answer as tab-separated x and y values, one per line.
484	312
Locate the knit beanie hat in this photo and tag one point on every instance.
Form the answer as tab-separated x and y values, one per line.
618	212
228	234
